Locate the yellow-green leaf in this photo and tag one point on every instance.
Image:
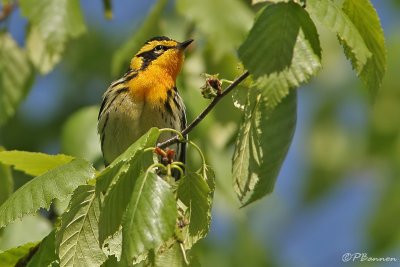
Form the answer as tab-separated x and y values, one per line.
33	163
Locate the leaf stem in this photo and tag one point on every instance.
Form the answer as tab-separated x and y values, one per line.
205	112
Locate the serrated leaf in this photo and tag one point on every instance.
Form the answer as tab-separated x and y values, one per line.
42	190
149	28
10	257
282	50
329	14
16	76
33	163
365	18
150	217
52	23
223	32
119	194
77	238
271	42
46	254
79	134
276	86
261	146
194	192
6	181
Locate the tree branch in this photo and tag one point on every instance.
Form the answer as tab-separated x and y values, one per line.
204	113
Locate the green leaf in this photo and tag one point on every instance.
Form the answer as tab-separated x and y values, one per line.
224	33
33	163
111	174
119	193
46	254
40	191
169	256
77	238
149	28
79	134
10	257
269	48
261	146
276	86
52	23
365	18
194	192
6	181
16	76
282	50
331	16
150	218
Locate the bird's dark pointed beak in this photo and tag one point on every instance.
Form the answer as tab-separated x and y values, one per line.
185	44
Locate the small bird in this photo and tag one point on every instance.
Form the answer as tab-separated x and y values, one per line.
146	96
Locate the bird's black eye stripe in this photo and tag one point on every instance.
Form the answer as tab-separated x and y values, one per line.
159	48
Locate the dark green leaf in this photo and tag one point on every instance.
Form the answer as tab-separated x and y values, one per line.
194	192
10	257
119	193
52	23
79	134
150	218
270	46
149	28
282	50
365	18
42	190
33	163
262	143
77	238
16	76
46	254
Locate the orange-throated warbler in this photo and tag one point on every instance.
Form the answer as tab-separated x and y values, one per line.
146	96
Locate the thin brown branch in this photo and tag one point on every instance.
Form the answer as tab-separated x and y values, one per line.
204	113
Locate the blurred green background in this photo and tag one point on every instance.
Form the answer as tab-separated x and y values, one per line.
339	188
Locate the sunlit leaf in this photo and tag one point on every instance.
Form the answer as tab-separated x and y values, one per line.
168	256
78	236
149	28
6	181
10	257
365	18
329	14
52	23
46	254
224	33
150	218
261	146
39	192
16	76
33	163
79	134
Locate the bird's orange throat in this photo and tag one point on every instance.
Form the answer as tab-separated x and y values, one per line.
154	82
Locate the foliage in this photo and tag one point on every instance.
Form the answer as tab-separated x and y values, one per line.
133	211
